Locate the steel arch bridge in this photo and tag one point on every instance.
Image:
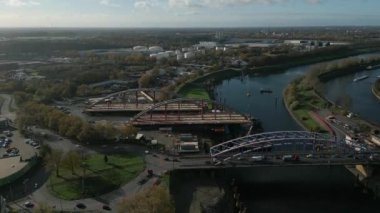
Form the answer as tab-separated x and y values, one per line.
188	111
286	142
132	92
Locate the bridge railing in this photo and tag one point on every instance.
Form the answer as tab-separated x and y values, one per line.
270	137
200	102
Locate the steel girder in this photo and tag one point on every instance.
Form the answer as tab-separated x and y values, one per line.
178	100
258	141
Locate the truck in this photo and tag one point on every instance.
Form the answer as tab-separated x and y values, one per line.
290	158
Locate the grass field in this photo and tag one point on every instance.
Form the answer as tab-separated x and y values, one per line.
305	118
100	177
195	92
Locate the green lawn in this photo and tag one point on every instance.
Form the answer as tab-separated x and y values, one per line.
100	177
195	92
306	119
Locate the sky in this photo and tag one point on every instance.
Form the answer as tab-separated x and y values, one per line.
188	13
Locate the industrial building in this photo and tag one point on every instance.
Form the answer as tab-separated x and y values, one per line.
4	123
188	143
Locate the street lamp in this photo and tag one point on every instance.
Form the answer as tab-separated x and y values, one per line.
25	181
83	165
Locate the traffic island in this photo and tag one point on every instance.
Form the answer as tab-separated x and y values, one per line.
95	176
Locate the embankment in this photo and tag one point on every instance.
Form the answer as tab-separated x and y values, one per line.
376	89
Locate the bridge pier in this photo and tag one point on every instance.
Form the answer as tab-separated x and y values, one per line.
365	170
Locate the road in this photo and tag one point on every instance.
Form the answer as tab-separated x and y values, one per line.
156	162
33	186
8	102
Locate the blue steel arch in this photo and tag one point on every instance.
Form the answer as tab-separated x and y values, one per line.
227	149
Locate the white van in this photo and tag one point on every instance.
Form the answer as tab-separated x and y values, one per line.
258	158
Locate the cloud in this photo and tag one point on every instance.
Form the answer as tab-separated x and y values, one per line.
108	3
186	13
223	3
185	3
19	3
314	1
145	4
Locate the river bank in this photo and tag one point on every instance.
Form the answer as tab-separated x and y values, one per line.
187	88
302	96
376	89
273	189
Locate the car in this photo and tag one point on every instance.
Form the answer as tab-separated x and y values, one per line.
34	144
146	151
37	147
240	158
28	204
258	158
80	206
13	154
292	158
142	181
374	157
310	156
107	208
150	173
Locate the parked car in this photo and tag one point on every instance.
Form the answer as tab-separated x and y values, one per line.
28	204
81	206
258	158
34	144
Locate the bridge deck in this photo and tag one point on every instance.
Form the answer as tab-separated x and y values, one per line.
195	119
133	107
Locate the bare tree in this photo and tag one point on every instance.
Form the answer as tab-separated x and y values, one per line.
152	200
72	160
53	160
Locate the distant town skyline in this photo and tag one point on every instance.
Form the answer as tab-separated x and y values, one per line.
188	13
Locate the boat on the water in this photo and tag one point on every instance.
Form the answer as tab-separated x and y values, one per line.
359	78
373	67
262	90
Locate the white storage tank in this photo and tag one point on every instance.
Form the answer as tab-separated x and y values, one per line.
156	49
140	48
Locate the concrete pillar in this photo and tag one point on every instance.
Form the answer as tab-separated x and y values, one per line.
366	171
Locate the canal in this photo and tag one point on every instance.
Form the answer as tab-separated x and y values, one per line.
357	96
243	94
299	189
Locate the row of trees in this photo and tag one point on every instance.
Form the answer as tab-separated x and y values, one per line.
322	72
56	159
32	113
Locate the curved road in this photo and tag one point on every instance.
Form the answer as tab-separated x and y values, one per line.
39	175
8	102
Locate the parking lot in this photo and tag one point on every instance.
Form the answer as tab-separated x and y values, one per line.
13	144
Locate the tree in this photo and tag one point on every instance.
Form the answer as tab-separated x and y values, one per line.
105	159
53	160
128	131
146	80
152	200
72	160
83	90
